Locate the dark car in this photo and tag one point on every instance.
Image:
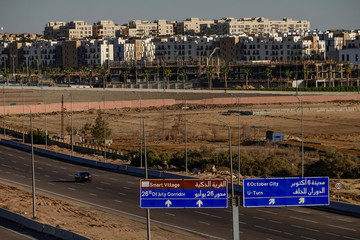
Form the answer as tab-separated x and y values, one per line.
83	177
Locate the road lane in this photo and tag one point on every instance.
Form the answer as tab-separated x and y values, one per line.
119	194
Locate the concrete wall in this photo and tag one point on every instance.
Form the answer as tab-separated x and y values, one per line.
84	106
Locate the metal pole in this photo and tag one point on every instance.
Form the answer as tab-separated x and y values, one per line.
146	177
72	129
302	139
237	100
141	133
23	130
104	129
45	120
186	150
4	112
32	165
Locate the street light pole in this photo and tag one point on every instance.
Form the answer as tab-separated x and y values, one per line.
104	129
302	136
4	123
239	138
72	129
234	202
32	164
141	133
146	177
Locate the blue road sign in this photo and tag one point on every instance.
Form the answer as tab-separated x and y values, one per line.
280	192
183	193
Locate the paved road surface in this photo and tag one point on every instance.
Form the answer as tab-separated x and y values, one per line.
119	194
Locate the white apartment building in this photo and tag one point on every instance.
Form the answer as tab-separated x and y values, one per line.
164	28
259	25
351	52
3	55
184	47
97	52
284	47
130	50
42	52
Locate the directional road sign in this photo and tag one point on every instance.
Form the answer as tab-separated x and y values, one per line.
279	192
183	193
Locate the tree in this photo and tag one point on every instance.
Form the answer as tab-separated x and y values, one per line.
183	74
347	70
268	74
306	76
147	75
104	74
247	73
288	74
97	130
124	75
329	72
68	72
210	71
224	71
168	75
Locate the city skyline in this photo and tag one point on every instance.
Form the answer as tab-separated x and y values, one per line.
31	16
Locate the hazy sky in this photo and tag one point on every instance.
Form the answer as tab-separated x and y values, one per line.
30	16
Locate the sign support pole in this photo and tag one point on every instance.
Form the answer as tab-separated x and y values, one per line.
146	177
235	213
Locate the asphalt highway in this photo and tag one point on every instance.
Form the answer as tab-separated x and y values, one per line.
119	194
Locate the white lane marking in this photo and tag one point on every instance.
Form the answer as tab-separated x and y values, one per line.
260	218
99	188
206	214
8	172
21	157
114	179
25	164
19	169
270	229
228	211
310	229
170	214
10	154
127	188
118	201
244	223
308	238
131	182
287	233
38	180
55	171
72	189
215	216
92	194
300	211
4	165
51	183
350	238
241	214
350	229
46	176
332	234
302	219
116	210
105	183
13	161
22	176
204	223
264	211
61	179
48	164
63	168
344	220
275	221
40	168
124	194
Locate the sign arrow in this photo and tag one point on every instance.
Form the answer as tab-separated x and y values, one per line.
271	201
301	200
168	203
199	203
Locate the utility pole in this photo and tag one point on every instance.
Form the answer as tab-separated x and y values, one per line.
146	177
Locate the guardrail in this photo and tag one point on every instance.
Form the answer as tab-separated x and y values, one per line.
58	233
337	207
